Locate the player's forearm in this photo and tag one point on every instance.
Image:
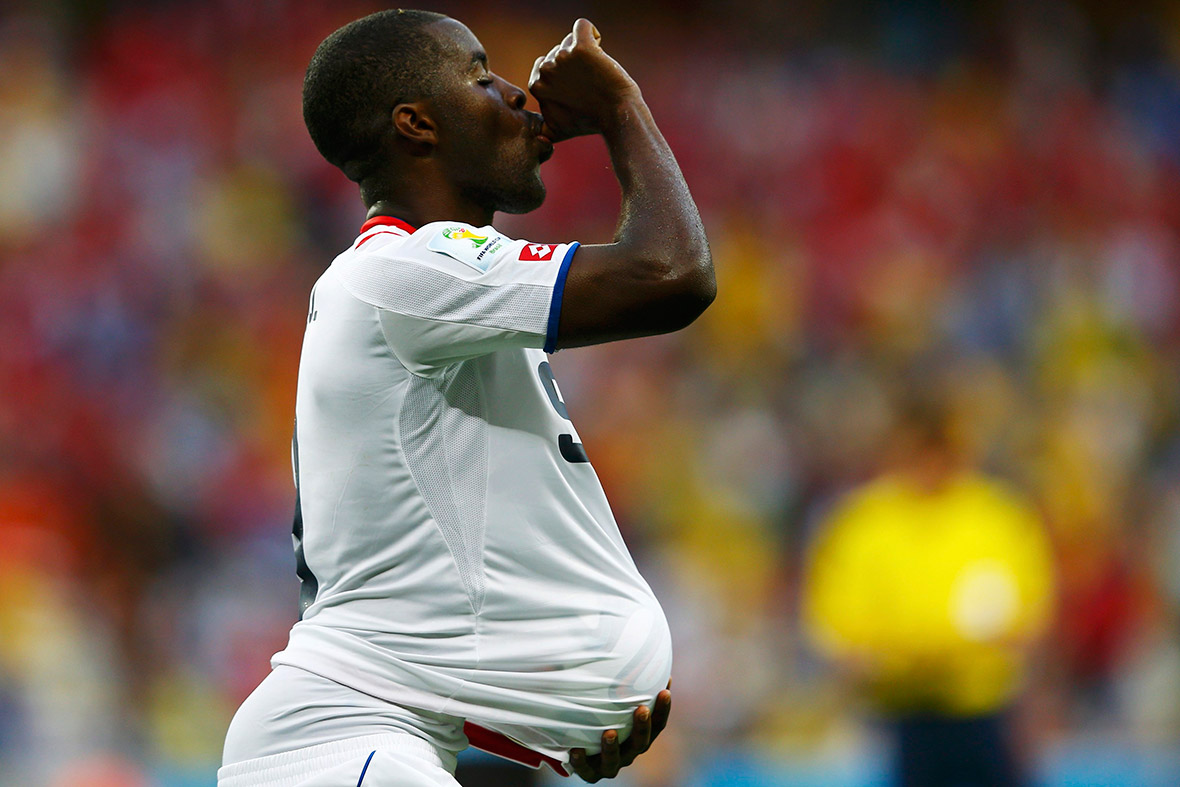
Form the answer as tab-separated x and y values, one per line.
659	226
657	275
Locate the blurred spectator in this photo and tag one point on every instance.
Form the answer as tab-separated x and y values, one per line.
927	587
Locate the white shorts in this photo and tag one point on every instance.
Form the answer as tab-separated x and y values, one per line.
385	760
298	726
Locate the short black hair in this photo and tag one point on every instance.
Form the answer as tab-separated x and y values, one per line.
358	74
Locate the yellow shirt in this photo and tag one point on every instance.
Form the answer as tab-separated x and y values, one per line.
931	596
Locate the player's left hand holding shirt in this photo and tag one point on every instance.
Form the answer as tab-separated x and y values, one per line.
452	291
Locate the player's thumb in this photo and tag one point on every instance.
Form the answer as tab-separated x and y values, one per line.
585	32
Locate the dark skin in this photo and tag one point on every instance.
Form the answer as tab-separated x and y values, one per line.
473	149
647	724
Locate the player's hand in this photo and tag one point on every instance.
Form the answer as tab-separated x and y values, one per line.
615	756
579	86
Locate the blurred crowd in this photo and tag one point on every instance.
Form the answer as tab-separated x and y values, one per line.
984	204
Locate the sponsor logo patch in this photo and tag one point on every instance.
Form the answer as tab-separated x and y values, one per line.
538	252
477	247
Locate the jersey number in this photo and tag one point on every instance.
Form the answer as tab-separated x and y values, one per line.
571	449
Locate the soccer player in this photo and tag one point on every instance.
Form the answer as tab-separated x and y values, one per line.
463	578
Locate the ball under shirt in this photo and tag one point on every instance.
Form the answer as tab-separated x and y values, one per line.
457	551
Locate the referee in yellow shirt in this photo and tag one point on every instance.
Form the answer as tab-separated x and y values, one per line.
927	587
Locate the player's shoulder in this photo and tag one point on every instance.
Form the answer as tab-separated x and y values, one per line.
477	247
439	244
473	251
457	250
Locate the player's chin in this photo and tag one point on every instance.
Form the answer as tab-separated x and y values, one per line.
528	196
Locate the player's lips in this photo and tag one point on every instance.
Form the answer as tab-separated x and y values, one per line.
546	148
537	127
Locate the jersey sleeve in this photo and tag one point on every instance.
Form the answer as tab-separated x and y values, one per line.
452	291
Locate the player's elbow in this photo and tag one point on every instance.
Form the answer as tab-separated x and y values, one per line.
692	299
689	287
704	290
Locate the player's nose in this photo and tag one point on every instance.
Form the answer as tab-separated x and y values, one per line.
513	95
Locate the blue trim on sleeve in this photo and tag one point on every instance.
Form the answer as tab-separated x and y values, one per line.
555	304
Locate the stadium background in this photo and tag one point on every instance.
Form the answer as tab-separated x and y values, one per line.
986	194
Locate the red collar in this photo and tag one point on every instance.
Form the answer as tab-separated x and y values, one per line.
388	221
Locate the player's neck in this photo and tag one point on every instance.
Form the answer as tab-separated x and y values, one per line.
420	194
418	212
417	191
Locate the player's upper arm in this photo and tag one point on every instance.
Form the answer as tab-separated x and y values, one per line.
614	292
453	291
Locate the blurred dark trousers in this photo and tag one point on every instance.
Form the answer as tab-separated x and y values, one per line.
942	751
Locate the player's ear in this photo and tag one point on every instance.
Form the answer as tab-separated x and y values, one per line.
413	123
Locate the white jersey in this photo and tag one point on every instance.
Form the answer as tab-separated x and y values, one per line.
457	552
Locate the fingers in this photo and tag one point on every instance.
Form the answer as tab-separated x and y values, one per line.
640	738
610	763
614	756
659	716
550	57
585	33
581	765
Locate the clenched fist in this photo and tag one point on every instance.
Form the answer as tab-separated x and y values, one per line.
579	86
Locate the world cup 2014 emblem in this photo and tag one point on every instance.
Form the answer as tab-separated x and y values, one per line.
462	233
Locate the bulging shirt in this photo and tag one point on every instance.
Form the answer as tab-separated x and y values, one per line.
456	550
